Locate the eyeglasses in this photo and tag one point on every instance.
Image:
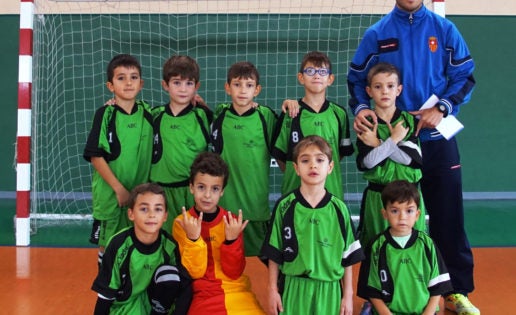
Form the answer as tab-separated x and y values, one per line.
312	71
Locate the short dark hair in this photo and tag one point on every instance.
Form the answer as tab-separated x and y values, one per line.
400	191
183	66
383	67
317	58
244	70
145	188
318	141
122	60
209	163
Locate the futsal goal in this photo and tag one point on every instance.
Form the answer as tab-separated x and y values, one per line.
65	47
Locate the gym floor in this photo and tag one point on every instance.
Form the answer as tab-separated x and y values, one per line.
41	280
54	274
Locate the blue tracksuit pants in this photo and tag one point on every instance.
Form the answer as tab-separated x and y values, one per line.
441	186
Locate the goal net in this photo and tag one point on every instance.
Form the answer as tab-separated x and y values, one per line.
74	41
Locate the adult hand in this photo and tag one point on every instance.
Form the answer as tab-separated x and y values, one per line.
361	123
428	118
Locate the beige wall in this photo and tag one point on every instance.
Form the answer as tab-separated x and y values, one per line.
453	7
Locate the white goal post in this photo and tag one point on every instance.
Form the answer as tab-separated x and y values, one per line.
65	46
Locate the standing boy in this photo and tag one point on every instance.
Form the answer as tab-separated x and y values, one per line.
388	152
140	272
119	147
311	241
181	131
242	135
403	272
211	244
317	116
433	59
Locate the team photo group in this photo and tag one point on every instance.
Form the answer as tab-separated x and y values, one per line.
181	191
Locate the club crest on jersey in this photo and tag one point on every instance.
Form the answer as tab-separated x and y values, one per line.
432	43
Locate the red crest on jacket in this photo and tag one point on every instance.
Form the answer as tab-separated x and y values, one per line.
432	43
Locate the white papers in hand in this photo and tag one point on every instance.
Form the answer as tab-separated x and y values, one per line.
450	125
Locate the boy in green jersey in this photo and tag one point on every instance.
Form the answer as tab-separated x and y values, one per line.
389	151
242	135
403	272
141	272
119	147
311	241
181	132
316	116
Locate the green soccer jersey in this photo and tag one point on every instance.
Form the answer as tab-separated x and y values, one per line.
178	139
243	142
317	243
127	268
386	171
331	123
389	170
124	140
404	278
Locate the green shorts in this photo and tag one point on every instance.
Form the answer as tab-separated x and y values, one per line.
110	227
372	221
324	296
254	236
177	197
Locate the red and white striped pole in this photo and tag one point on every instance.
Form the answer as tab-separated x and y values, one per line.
439	7
23	171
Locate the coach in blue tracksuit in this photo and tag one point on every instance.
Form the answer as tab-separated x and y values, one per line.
433	59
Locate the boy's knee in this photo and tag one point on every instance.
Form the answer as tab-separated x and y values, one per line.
164	288
166	277
166	274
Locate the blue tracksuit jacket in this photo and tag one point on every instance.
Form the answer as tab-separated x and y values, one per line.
430	53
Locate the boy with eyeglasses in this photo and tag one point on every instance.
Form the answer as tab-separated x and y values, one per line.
317	116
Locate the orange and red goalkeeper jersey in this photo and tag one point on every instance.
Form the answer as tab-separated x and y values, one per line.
217	267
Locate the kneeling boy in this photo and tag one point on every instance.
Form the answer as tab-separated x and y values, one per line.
141	272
